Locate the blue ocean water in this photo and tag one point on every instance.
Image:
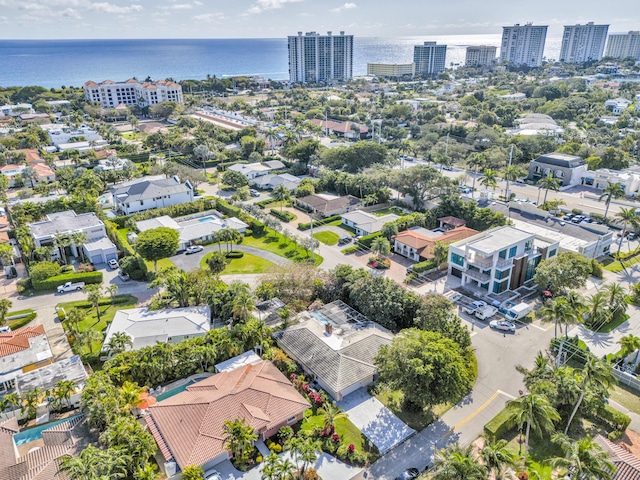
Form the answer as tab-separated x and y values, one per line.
54	63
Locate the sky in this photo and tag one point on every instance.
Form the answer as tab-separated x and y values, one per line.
75	19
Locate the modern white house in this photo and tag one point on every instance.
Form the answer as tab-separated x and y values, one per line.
43	173
22	350
253	170
63	134
499	259
147	327
16	110
145	194
365	223
617	105
98	249
199	227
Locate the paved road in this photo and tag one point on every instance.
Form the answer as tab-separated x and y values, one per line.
192	262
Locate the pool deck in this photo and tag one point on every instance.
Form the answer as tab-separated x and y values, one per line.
182	382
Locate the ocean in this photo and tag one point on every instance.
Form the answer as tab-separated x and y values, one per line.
56	63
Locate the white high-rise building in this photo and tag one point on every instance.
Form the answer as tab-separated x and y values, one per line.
523	44
429	59
110	94
623	45
320	58
480	56
583	43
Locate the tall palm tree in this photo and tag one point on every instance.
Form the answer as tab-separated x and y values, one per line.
616	298
611	191
596	373
64	389
627	216
548	183
119	342
61	241
79	239
511	174
558	311
381	247
533	413
87	338
497	457
596	310
542	370
629	344
281	194
457	463
476	161
5	305
489	178
583	459
577	307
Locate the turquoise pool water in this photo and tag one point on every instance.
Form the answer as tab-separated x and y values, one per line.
319	316
174	391
206	219
36	433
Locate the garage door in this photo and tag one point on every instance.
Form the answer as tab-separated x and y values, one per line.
112	256
96	259
456	273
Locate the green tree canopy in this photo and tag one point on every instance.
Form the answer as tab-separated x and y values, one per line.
566	270
157	243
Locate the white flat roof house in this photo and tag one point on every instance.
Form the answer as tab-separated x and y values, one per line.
146	194
365	223
253	170
617	105
22	350
270	181
146	328
599	179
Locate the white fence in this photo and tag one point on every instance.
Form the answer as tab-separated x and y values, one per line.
627	379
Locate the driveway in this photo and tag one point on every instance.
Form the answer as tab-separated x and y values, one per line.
192	262
376	421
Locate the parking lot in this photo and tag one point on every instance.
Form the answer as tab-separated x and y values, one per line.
473	322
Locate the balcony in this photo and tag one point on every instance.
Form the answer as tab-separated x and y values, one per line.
482	277
481	262
504	262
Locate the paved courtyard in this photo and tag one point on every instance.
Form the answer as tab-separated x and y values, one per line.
375	420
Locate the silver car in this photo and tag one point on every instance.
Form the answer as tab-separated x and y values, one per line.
502	325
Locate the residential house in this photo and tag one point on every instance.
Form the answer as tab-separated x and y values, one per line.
365	223
567	169
64	134
627	464
147	327
351	130
253	170
200	227
15	110
617	105
43	173
336	346
536	124
21	351
188	427
327	205
269	181
499	259
42	460
45	378
449	223
145	194
98	249
418	243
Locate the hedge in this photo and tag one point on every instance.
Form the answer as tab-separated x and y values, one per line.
614	419
284	216
367	240
234	254
319	223
351	249
424	266
263	203
498	425
52	283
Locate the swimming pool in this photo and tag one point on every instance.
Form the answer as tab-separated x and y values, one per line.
174	391
207	219
35	433
319	316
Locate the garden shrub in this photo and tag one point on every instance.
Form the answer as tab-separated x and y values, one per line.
367	240
596	269
284	216
257	228
135	267
43	270
52	283
172	211
424	266
319	223
498	425
234	254
351	249
263	203
615	419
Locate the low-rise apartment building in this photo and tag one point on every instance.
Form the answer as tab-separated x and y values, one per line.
110	94
418	243
500	259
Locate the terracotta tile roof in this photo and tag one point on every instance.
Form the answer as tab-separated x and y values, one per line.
131	80
424	245
412	239
33	155
4	237
18	340
455	221
627	464
43	170
191	423
90	83
342	127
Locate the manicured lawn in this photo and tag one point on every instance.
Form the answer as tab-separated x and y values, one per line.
163	263
388	210
247	264
392	399
20	322
613	324
616	266
327	237
627	397
107	312
276	243
348	432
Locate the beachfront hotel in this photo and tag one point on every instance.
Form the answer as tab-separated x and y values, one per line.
429	59
583	43
320	58
110	94
480	56
523	44
623	45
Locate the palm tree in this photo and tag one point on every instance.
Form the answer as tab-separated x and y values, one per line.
476	161
511	174
94	294
281	194
583	459
74	317
629	344
30	401
239	436
192	472
558	311
457	463
148	472
64	389
381	247
616	298
88	338
61	241
628	216
497	457
305	450
440	253
112	290
5	306
541	370
119	342
596	309
329	413
577	306
548	183
272	135
536	413
489	178
611	191
79	239
596	374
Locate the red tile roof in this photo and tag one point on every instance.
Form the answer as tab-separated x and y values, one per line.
455	221
191	423
627	464
18	340
342	127
424	245
33	155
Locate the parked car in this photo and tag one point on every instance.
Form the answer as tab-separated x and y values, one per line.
567	217
113	264
193	249
409	474
623	233
123	276
632	236
474	306
212	475
502	325
70	287
5	329
345	240
254	193
449	168
578	218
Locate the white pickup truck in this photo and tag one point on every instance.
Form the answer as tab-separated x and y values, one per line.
70	287
486	312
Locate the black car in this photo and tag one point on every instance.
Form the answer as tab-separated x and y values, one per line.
409	474
345	240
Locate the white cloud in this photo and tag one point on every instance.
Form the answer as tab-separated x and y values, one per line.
209	17
179	6
71	13
346	6
4	20
106	7
198	4
262	5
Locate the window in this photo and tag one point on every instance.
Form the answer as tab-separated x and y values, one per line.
553	253
500	274
503	254
513	251
457	259
291	419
